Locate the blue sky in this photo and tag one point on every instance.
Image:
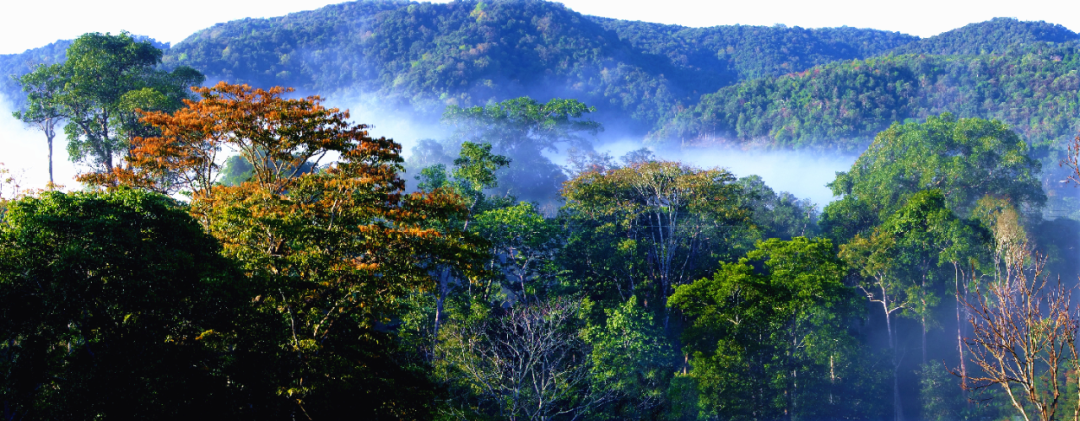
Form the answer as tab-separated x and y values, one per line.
29	24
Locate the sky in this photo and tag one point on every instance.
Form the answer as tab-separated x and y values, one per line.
23	25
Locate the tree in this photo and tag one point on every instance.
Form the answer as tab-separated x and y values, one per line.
527	364
474	171
522	129
629	360
966	159
1072	160
781	215
524	246
116	305
524	123
1024	340
98	89
42	87
334	249
874	257
673	219
773	343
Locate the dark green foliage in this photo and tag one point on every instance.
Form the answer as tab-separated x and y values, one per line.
14	65
995	36
465	53
769	336
114	305
966	158
843	105
782	215
708	58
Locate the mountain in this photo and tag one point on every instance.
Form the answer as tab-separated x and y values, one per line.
996	36
19	64
427	55
748	85
842	105
424	56
742	52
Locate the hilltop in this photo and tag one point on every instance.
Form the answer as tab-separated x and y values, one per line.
772	86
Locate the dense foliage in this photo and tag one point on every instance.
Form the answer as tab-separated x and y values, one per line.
775	86
302	277
842	105
996	36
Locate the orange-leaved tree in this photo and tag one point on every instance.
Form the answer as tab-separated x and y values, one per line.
335	244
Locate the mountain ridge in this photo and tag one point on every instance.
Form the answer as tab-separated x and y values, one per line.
665	80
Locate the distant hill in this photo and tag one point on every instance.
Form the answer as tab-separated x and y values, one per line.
842	105
997	36
470	52
18	64
741	52
748	85
22	63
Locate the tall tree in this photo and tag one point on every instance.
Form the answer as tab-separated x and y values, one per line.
673	218
104	81
335	248
773	343
522	129
966	159
875	259
42	87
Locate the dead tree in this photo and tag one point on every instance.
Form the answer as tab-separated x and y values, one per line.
1023	339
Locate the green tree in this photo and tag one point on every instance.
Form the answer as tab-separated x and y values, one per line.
42	87
521	129
630	360
104	80
524	245
782	215
116	305
773	343
650	226
966	158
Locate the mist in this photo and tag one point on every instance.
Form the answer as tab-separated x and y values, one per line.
25	152
801	173
403	126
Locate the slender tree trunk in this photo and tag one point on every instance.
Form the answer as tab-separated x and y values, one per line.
959	331
923	320
50	136
439	300
898	411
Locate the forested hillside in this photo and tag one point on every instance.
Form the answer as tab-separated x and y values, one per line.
425	56
698	85
468	53
842	105
997	36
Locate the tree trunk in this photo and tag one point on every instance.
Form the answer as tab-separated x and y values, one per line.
439	299
959	332
898	411
923	320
